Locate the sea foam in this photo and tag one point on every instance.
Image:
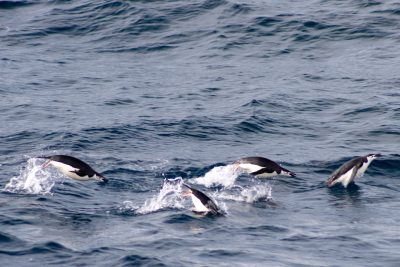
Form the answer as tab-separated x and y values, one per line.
33	179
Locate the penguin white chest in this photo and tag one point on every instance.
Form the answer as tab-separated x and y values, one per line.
68	170
249	167
363	168
199	206
346	178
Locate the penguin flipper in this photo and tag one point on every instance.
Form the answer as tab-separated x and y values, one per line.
80	172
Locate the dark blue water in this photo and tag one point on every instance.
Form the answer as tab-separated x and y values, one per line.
148	90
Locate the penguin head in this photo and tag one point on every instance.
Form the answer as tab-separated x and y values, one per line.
100	178
373	156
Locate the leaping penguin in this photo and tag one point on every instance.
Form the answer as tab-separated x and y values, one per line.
203	204
356	167
73	168
262	167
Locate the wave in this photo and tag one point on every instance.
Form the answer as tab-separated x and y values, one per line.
115	26
140	260
48	247
15	4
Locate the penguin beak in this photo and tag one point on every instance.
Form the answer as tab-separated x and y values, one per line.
46	164
101	178
378	155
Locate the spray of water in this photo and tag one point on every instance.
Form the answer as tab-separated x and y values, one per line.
168	197
261	192
221	175
226	176
33	179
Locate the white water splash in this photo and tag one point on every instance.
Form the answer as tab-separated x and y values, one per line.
168	197
33	179
222	175
252	194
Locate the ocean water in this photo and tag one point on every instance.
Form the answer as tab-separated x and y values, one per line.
146	91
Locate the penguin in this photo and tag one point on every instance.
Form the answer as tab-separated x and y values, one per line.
73	168
353	168
262	167
203	204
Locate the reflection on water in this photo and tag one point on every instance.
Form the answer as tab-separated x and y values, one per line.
343	196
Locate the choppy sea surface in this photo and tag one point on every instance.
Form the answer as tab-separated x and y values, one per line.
146	91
